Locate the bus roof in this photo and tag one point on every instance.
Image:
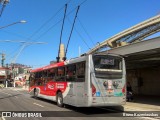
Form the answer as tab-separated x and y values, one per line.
48	67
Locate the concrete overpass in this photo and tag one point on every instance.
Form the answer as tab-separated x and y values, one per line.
133	34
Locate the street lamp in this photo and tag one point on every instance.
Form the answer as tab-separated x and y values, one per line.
22	21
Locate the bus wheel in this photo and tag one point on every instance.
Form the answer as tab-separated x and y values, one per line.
35	93
59	99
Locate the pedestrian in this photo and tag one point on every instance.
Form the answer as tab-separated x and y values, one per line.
129	87
129	92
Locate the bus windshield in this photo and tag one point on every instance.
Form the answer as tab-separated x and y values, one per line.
108	66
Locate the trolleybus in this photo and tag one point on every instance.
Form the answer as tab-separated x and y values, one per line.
90	80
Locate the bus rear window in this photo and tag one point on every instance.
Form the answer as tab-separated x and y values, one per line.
108	67
112	63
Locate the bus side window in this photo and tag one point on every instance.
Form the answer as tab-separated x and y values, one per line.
45	76
80	68
39	78
36	78
32	80
60	74
52	74
71	73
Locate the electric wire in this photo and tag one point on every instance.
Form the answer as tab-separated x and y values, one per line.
58	21
55	24
79	34
15	34
45	23
82	2
90	38
42	26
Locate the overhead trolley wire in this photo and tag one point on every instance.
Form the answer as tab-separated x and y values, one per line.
30	38
59	20
90	38
51	18
79	34
42	26
54	25
82	2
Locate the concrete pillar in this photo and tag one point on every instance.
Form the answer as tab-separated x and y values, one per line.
62	51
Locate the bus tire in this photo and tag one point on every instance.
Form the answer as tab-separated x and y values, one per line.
60	99
35	93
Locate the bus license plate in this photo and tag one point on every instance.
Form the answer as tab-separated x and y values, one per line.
110	90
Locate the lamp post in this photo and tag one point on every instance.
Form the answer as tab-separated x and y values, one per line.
22	21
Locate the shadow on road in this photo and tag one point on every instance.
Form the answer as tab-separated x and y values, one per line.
84	111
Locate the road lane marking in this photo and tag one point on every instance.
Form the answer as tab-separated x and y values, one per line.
38	104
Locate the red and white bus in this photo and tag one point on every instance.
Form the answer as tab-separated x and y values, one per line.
90	80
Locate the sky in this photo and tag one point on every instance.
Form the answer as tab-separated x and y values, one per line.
97	21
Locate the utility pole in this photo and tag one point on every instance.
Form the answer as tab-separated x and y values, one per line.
2	59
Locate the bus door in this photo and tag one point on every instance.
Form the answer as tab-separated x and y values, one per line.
80	84
70	79
79	91
44	83
50	84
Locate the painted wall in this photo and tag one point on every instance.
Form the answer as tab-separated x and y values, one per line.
145	81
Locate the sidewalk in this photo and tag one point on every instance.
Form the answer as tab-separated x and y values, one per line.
131	106
143	103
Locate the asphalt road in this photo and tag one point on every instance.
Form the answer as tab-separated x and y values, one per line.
19	101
